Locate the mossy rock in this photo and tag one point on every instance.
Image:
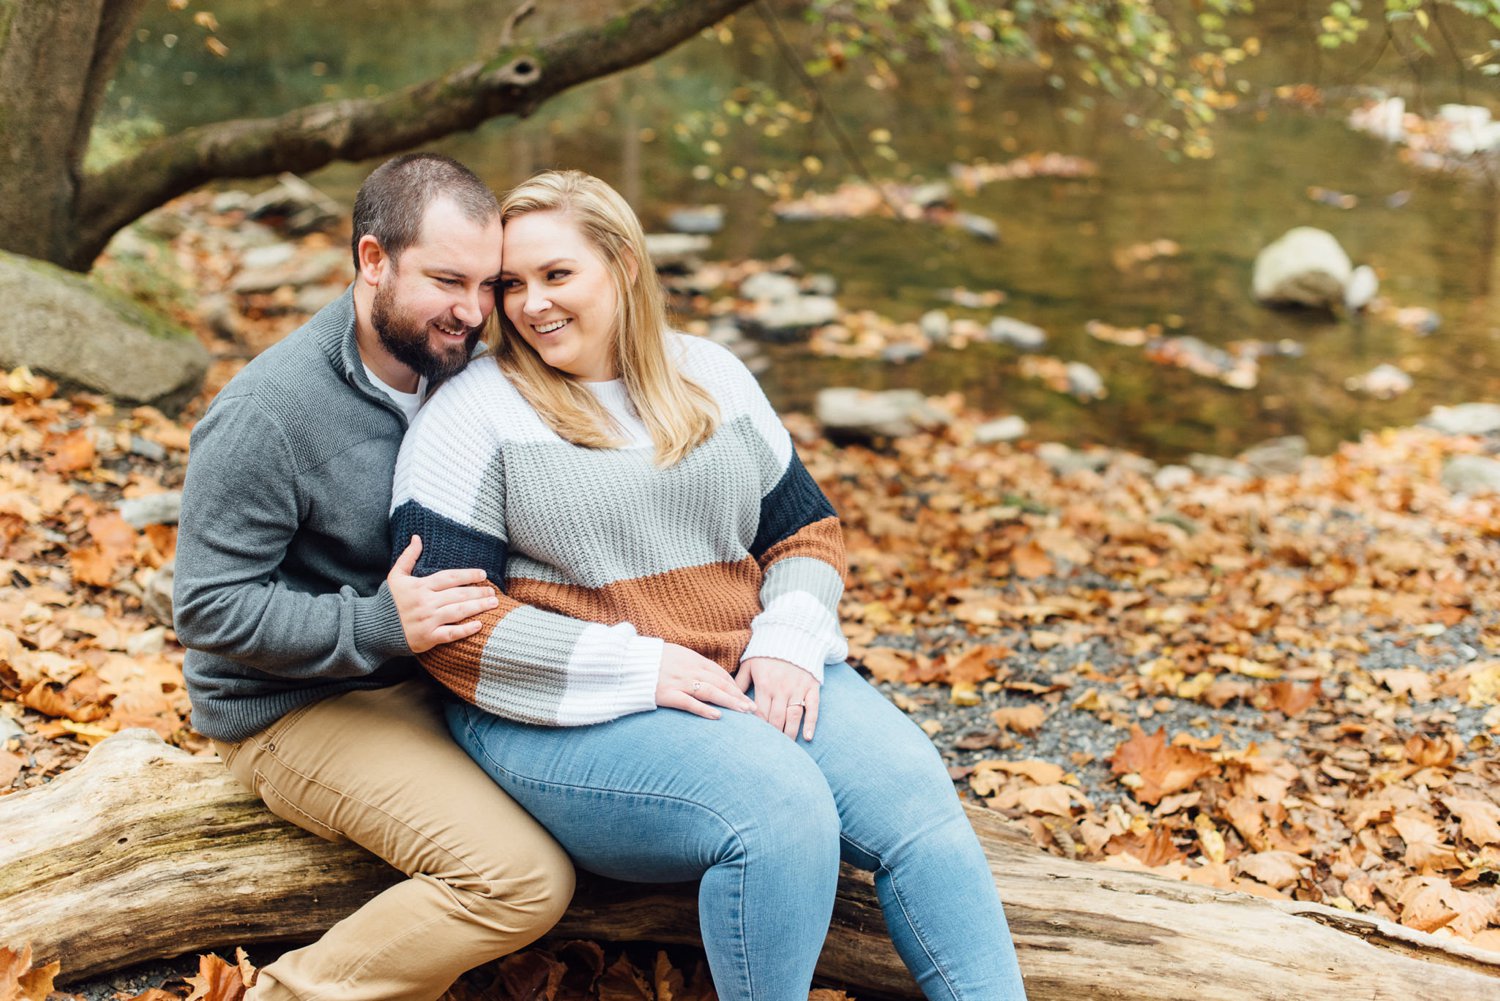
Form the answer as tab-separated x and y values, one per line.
82	334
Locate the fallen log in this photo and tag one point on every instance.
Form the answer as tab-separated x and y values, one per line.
144	851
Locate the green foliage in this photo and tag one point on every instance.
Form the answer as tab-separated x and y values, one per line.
1172	66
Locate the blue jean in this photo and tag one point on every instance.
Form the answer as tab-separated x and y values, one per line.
667	796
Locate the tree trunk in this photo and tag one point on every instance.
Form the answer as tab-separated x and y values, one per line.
144	851
57	57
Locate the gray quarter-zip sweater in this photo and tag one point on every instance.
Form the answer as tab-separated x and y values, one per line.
283	546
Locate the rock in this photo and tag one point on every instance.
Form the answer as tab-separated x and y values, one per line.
790	319
300	207
147	449
935	325
901	352
1001	429
153	509
261	256
1084	382
1384	382
746	350
1017	333
861	414
672	251
221	315
9	729
152	641
1385	119
1306	267
230	201
699	220
157	595
1213	466
1276	457
931	195
315	297
1361	288
294	273
769	286
977	225
821	283
1418	319
1173	477
1063	460
1472	474
724	331
82	334
1466	418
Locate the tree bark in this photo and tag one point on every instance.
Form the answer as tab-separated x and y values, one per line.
91	208
53	57
144	851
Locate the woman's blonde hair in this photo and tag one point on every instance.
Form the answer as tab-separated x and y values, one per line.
678	413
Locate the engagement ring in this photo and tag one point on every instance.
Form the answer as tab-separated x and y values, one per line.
697	685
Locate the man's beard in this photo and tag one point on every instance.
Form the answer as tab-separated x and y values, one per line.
409	342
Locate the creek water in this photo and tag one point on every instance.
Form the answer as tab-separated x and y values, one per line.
1432	237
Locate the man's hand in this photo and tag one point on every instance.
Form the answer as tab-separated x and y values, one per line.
691	682
439	608
785	695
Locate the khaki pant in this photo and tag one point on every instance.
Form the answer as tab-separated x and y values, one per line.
378	768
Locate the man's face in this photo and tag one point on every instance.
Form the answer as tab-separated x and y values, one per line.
431	304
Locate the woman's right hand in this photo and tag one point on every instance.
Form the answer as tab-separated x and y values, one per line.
691	682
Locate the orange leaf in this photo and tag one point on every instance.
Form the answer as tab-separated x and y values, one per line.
20	981
532	973
1479	821
887	664
1154	849
1425	848
1161	768
977	664
1030	560
217	981
1020	719
10	767
1290	697
70	452
1277	869
621	982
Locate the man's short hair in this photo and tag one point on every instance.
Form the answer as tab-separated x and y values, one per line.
394	198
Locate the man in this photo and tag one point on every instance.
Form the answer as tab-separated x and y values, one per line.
299	641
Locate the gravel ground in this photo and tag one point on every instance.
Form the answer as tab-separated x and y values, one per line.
1075	739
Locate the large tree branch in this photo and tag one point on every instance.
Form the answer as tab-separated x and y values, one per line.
145	851
512	81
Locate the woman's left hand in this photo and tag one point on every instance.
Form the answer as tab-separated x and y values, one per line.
785	695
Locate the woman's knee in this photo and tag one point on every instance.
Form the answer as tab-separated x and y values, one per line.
791	814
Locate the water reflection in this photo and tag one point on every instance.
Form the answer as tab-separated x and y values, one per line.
1056	260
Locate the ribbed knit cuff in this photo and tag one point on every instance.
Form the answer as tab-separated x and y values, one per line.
640	667
377	627
795	646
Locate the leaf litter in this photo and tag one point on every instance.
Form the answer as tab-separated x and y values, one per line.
1288	686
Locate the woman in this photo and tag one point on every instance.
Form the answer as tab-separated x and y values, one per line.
668	576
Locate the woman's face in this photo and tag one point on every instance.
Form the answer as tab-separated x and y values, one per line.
559	294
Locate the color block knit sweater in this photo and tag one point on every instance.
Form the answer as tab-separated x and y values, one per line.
600	556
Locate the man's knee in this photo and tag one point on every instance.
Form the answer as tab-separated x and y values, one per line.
528	893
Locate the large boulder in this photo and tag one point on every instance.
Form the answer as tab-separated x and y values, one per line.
858	414
1466	418
84	335
1306	267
